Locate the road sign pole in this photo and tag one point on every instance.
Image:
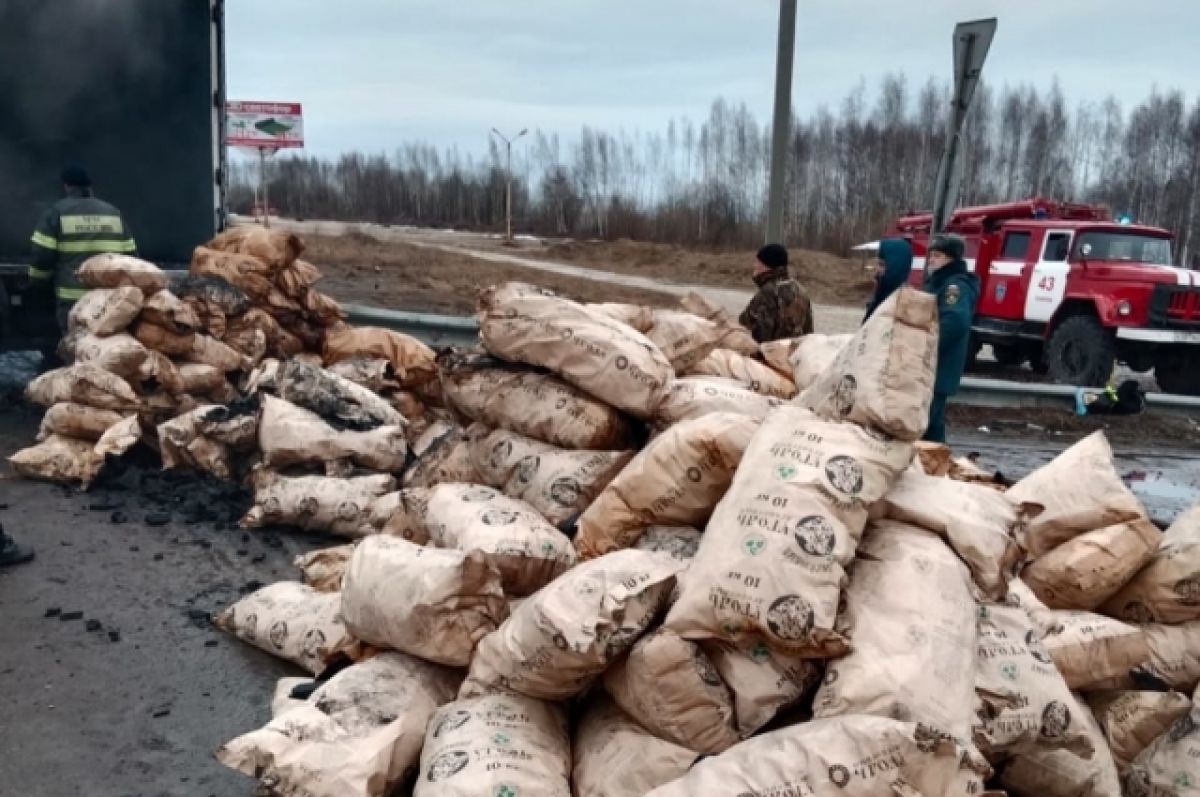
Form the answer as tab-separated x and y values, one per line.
262	162
781	127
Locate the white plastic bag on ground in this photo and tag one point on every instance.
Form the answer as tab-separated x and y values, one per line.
909	611
318	503
289	620
83	384
677	479
289	435
358	735
106	311
751	374
1132	720
527	551
1023	703
324	568
119	271
560	638
771	562
610	360
501	745
432	603
1167	590
1170	766
693	396
1087	570
1060	773
981	525
559	483
854	756
1080	490
1088	648
616	757
884	377
670	686
813	355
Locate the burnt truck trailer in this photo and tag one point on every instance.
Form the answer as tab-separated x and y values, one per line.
134	90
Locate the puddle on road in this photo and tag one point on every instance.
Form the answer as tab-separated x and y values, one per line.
17	369
1166	493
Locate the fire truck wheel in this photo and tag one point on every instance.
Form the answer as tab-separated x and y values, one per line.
1081	353
1010	356
1176	374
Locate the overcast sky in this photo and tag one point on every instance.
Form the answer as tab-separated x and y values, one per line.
374	73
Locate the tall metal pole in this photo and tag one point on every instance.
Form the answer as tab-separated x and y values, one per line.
262	161
508	181
781	128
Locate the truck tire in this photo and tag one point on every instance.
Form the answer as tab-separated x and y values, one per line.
1011	355
1081	352
1178	373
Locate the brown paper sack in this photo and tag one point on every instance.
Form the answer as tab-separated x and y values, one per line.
82	384
323	310
1023	704
317	503
275	248
855	756
119	354
170	312
980	524
160	372
1168	767
1088	648
693	396
684	338
527	551
211	351
1060	773
815	354
335	397
289	435
676	480
106	311
503	745
1087	570
670	686
324	568
447	459
612	361
680	542
164	340
282	700
401	514
373	373
762	681
909	610
1080	490
1133	720
771	562
637	316
199	379
245	273
297	277
933	458
119	438
121	271
289	620
750	374
884	377
358	735
535	405
217	293
1167	590
1174	657
76	420
559	639
734	336
411	359
558	483
432	603
616	757
777	353
59	459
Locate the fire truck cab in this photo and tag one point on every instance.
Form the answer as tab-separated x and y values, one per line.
1071	291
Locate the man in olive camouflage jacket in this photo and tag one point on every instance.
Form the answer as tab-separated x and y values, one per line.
781	308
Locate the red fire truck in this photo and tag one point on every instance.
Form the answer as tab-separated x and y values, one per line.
1071	291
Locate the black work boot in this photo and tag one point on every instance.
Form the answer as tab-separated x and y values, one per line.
10	552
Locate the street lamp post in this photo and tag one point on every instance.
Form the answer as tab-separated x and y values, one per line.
508	142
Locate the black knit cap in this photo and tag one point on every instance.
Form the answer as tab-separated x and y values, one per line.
76	176
951	246
773	256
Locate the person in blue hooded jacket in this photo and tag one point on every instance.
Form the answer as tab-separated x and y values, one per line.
957	292
892	269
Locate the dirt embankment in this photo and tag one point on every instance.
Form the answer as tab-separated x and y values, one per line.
361	269
829	279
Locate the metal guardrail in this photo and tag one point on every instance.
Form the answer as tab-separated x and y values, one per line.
446	330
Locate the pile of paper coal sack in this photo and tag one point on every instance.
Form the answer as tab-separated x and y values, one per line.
620	551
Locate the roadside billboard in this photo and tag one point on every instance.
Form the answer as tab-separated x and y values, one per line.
264	125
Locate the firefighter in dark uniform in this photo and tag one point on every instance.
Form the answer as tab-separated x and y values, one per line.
73	229
781	308
957	292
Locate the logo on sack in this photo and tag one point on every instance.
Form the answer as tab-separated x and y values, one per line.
250	627
347	510
844	393
1188	590
1036	648
845	474
500	453
839	776
451	722
504	791
278	634
447	765
498	517
790	618
760	652
694	474
754	545
622	362
815	536
1137	612
313	643
501	739
1056	718
565	491
309	505
477	494
1182	728
1009	670
785	472
528	468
